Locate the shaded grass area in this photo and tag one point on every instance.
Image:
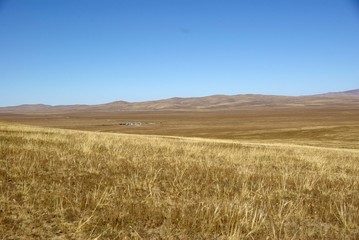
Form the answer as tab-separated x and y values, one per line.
80	185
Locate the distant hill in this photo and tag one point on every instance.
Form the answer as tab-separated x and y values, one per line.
215	102
354	92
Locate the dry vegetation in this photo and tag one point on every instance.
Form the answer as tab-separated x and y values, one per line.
326	127
66	184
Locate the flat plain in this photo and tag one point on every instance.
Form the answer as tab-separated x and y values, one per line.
325	126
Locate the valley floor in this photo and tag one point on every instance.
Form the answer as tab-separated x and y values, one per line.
326	127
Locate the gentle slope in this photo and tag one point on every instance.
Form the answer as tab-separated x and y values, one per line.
80	185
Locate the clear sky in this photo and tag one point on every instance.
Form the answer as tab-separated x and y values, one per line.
88	52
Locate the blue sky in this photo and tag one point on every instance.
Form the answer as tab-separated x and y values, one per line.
88	52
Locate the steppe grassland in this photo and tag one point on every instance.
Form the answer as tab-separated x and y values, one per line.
81	185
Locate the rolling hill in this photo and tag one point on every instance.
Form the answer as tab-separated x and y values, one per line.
214	102
354	92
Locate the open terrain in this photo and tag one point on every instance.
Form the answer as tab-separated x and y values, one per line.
332	127
330	119
218	167
67	184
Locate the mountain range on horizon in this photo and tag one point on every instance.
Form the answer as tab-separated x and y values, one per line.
213	102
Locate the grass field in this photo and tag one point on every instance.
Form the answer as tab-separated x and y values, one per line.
67	184
326	127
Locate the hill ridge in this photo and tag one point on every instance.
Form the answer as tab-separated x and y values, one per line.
212	102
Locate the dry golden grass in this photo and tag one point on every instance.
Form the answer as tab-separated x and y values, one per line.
326	127
65	184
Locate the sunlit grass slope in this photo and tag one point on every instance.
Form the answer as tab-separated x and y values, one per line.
67	184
